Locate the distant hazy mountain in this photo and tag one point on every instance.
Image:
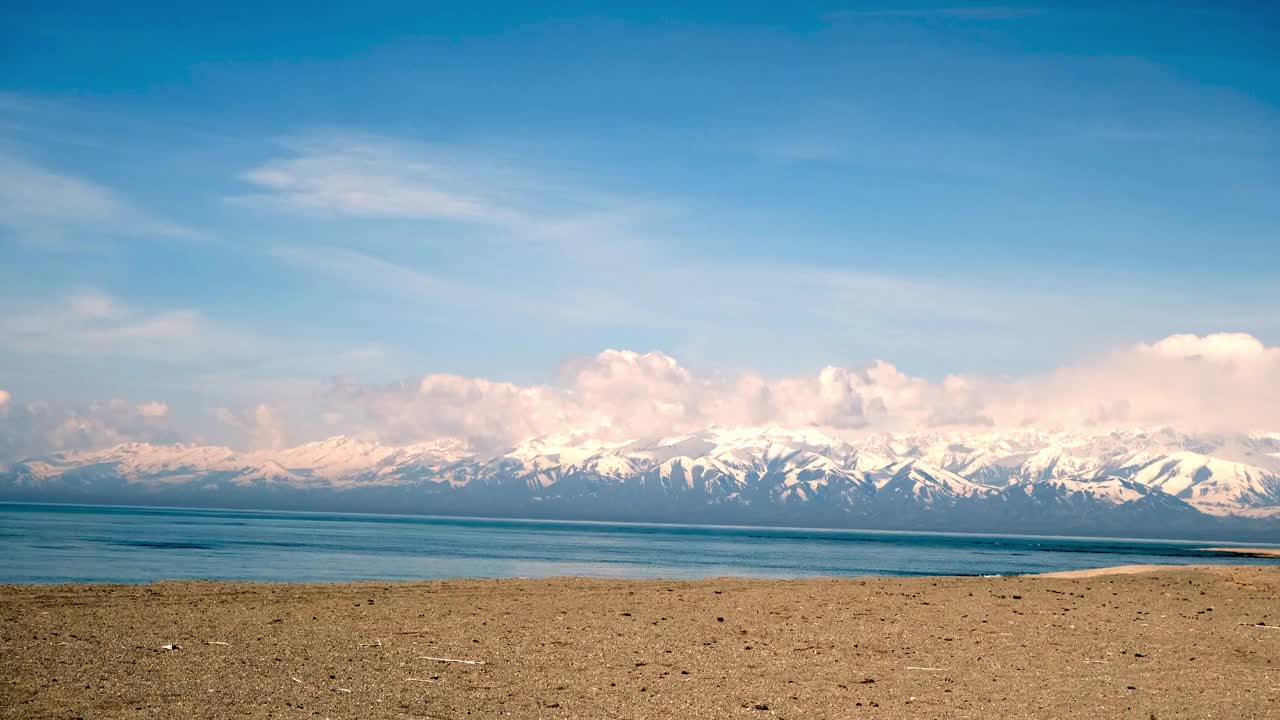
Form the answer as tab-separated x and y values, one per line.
1160	483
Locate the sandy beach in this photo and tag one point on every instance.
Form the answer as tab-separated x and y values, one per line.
1160	643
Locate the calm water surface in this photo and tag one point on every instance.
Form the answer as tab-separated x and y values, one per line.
65	543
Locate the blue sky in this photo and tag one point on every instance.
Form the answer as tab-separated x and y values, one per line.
223	206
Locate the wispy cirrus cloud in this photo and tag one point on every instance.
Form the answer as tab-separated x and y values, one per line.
963	12
371	177
568	256
369	273
560	256
44	207
92	323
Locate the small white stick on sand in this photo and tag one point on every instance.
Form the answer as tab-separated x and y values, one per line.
418	680
452	660
215	642
912	667
1269	627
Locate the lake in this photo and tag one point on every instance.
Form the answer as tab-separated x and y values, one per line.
72	543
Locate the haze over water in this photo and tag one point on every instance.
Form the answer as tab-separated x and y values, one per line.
65	543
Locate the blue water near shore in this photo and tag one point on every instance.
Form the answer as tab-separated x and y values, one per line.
72	543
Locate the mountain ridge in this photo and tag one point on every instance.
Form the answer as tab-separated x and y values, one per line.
1023	479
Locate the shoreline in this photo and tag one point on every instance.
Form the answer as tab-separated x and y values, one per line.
1253	552
1090	572
1172	641
585	521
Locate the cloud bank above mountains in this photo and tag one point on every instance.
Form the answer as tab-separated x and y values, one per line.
32	428
1226	382
1219	382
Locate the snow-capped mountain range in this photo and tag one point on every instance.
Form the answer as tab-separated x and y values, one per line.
1022	480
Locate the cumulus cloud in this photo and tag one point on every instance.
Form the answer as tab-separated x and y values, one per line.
1215	383
1218	382
1221	347
260	427
31	429
153	409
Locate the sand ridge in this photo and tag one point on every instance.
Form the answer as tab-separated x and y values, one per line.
1170	643
1120	570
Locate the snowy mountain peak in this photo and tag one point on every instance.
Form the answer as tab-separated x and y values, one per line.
918	478
791	470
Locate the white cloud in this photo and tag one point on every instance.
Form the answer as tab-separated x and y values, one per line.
44	207
373	274
34	429
260	426
1214	383
525	249
375	178
94	305
372	178
981	12
153	409
1219	347
358	269
95	324
1196	383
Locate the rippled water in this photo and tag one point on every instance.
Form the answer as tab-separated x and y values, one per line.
65	543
